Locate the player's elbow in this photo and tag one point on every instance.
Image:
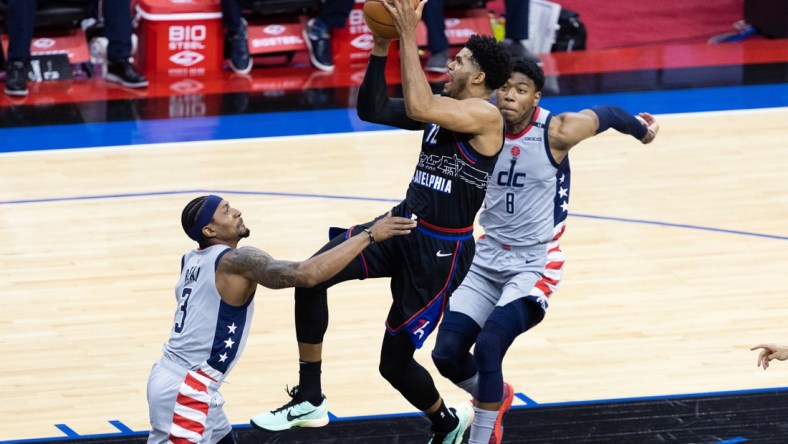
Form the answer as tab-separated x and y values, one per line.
364	114
308	282
417	111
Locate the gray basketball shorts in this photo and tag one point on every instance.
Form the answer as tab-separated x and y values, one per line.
501	274
184	404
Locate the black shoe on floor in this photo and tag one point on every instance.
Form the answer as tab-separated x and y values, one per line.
16	79
123	72
237	50
317	36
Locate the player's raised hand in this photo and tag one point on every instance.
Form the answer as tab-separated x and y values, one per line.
405	16
380	45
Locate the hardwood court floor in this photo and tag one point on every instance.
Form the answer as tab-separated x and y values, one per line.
676	266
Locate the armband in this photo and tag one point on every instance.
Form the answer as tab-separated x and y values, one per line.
619	120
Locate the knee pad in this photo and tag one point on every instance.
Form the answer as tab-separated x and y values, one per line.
451	354
488	352
499	332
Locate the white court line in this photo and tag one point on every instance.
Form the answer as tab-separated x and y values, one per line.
197	143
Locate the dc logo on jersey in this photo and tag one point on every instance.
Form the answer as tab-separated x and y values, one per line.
511	178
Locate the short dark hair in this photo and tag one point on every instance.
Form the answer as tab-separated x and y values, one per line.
190	212
492	58
531	70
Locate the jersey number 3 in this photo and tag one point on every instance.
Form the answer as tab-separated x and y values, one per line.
180	319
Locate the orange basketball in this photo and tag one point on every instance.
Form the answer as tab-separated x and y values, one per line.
379	20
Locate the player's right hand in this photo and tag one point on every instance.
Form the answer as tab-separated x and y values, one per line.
770	352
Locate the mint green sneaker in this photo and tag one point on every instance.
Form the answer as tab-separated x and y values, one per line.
297	413
464	413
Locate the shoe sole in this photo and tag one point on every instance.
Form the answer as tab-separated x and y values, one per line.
304	423
246	70
312	58
14	93
506	404
468	423
115	79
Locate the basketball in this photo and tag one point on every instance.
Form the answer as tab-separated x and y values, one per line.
379	21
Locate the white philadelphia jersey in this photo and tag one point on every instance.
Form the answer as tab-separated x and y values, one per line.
528	193
208	335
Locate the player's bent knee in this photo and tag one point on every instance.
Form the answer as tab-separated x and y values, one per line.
445	364
390	371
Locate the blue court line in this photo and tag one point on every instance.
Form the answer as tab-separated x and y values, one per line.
654	398
733	440
120	426
165	193
371	199
67	430
528	401
293	123
692	100
669	224
419	414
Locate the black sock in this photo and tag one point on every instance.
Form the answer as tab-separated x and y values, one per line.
442	419
309	381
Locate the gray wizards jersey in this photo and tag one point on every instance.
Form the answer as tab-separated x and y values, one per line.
528	193
208	335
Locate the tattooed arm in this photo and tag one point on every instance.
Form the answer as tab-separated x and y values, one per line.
240	270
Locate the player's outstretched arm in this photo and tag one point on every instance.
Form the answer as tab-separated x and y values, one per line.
258	266
770	352
569	129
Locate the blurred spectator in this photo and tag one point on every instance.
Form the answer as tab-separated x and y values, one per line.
437	42
517	12
236	46
20	18
317	34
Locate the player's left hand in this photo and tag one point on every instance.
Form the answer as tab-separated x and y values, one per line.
406	18
651	124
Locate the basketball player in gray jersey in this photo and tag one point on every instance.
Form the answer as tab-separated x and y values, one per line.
214	297
518	261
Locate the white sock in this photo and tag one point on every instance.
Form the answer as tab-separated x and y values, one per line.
482	428
469	385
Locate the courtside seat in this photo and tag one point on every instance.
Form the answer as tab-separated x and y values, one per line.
277	8
66	13
464	4
53	14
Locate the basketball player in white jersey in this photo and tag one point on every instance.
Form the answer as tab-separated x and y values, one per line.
518	262
215	303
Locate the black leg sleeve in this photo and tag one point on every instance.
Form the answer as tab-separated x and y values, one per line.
406	375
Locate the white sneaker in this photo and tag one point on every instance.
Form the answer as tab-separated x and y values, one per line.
464	413
296	413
